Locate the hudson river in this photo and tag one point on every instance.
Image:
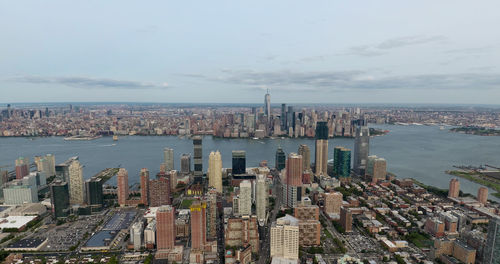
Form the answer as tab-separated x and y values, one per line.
420	152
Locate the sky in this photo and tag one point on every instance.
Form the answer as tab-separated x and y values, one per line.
384	51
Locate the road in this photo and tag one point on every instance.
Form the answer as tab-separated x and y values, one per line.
266	240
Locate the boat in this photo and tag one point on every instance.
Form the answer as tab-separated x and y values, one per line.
115	138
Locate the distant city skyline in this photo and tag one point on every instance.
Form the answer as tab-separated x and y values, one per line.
425	52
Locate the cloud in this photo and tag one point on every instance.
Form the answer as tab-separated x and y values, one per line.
89	83
354	80
409	41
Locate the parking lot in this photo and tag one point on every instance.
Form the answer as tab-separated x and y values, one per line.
65	236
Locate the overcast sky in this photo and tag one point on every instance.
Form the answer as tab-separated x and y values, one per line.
424	51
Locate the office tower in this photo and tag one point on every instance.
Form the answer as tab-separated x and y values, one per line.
454	190
59	198
376	168
168	158
212	214
22	167
186	163
280	159
245	199
144	176
290	118
198	225
333	202
321	157
51	161
76	194
15	193
262	198
267	106
361	149
482	195
285	238
122	181
305	152
283	117
239	162
215	171
93	188
159	192
165	227
491	253
342	162
198	159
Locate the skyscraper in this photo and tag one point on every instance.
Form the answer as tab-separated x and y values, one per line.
482	195
267	106
333	202
198	225
280	159
376	168
186	163
93	188
245	199
239	162
342	162
198	159
321	157
261	200
305	152
215	171
76	194
292	187
285	238
491	253
454	190
59	198
168	158
212	214
122	182
361	149
144	175
165	227
283	117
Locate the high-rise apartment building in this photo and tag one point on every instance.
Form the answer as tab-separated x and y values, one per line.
285	238
261	199
239	162
342	162
76	185
123	188
22	167
159	192
212	214
215	171
482	195
454	190
165	227
292	186
59	198
305	152
198	159
280	159
186	163
376	168
321	156
361	149
333	202
491	252
144	176
168	158
198	225
245	199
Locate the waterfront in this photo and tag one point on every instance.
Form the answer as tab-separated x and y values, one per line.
420	152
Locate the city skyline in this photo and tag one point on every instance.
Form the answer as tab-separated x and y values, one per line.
314	53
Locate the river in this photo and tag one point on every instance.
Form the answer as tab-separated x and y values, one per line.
420	152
